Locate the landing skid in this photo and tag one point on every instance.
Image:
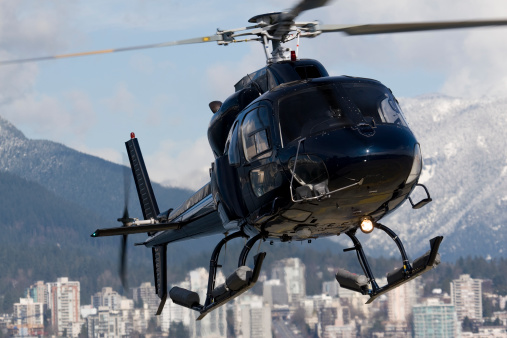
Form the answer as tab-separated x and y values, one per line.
366	284
240	281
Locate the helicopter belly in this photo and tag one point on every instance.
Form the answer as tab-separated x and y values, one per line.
326	218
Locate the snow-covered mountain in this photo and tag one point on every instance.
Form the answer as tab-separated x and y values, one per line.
465	169
89	181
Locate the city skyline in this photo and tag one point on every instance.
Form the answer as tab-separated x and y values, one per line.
335	312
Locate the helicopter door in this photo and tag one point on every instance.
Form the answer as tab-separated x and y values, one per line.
259	170
227	176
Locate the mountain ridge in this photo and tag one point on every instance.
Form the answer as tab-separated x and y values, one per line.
465	170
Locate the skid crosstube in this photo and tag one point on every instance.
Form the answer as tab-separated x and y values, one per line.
366	284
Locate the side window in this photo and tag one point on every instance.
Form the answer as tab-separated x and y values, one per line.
265	178
255	130
232	147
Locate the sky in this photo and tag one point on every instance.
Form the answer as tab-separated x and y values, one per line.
92	103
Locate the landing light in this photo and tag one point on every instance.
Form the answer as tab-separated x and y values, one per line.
367	226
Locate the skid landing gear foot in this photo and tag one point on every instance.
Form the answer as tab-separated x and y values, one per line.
240	281
366	284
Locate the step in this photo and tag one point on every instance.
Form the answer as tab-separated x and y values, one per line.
220	292
239	278
418	264
352	281
184	297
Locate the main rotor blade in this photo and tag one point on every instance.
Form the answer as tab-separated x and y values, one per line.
305	5
408	27
286	19
217	37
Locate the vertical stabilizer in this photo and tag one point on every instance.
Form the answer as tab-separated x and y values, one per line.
160	271
144	190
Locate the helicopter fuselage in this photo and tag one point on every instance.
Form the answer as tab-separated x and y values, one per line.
314	158
301	155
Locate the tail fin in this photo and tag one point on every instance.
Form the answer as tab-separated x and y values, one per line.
144	190
160	271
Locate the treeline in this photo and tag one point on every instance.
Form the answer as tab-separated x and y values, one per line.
21	266
492	271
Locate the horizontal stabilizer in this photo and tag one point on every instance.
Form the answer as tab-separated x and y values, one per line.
136	229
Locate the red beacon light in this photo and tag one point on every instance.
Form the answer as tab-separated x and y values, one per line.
132	135
293	55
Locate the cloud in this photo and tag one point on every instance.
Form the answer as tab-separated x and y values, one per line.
17	80
123	101
222	76
30	28
470	76
181	163
42	116
466	61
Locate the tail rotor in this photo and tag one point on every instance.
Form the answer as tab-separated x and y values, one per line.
126	221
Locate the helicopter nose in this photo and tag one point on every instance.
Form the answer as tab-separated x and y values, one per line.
384	161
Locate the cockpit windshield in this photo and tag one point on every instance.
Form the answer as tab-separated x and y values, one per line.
311	110
376	102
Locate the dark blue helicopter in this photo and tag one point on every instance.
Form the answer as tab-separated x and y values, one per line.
299	155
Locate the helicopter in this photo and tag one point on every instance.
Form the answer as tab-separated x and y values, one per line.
299	155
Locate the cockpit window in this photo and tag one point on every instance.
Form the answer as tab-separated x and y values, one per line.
231	146
255	130
376	102
309	111
308	72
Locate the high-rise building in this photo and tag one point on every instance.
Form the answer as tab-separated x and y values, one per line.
274	292
214	325
466	295
108	297
38	292
28	313
331	288
64	302
291	273
145	294
400	301
174	313
434	319
254	316
107	323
